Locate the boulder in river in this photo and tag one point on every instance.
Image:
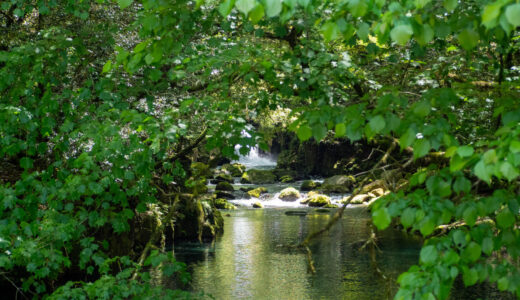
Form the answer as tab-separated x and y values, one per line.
224	186
223	204
286	179
318	200
289	194
296	213
255	176
236	169
257	204
224	194
309	185
358	199
222	177
257	192
338	184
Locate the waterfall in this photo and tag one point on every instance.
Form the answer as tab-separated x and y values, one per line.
255	159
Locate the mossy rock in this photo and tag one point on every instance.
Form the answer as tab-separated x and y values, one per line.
322	210
338	184
318	201
289	194
199	169
309	185
330	206
286	179
257	204
222	177
236	169
255	176
284	173
224	194
246	189
224	186
221	203
257	192
358	199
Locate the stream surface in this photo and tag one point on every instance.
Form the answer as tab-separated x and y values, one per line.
253	260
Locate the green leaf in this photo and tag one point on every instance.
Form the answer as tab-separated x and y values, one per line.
470	215
462	185
141	46
465	151
407	138
483	172
513	14
422	109
421	148
509	171
421	3
357	8
490	156
401	34
429	255
427	226
514	146
330	31
487	245
304	133
469	276
256	14
450	5
381	218
407	217
273	8
225	7
319	132
505	219
468	39
26	163
472	252
107	67
377	123
491	13
425	35
503	283
245	6
362	31
124	3
340	130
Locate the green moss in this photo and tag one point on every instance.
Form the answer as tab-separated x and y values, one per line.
309	185
258	205
318	200
224	186
257	192
286	178
236	169
258	177
223	204
289	194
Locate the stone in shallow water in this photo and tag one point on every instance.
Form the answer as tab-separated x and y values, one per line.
257	204
224	186
296	213
289	194
257	192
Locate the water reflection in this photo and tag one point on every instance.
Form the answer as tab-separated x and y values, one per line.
252	259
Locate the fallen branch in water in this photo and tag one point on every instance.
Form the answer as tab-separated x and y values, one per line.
339	213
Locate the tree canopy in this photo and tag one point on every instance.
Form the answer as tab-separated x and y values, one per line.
99	100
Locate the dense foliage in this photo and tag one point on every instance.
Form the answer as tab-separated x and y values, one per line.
99	99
